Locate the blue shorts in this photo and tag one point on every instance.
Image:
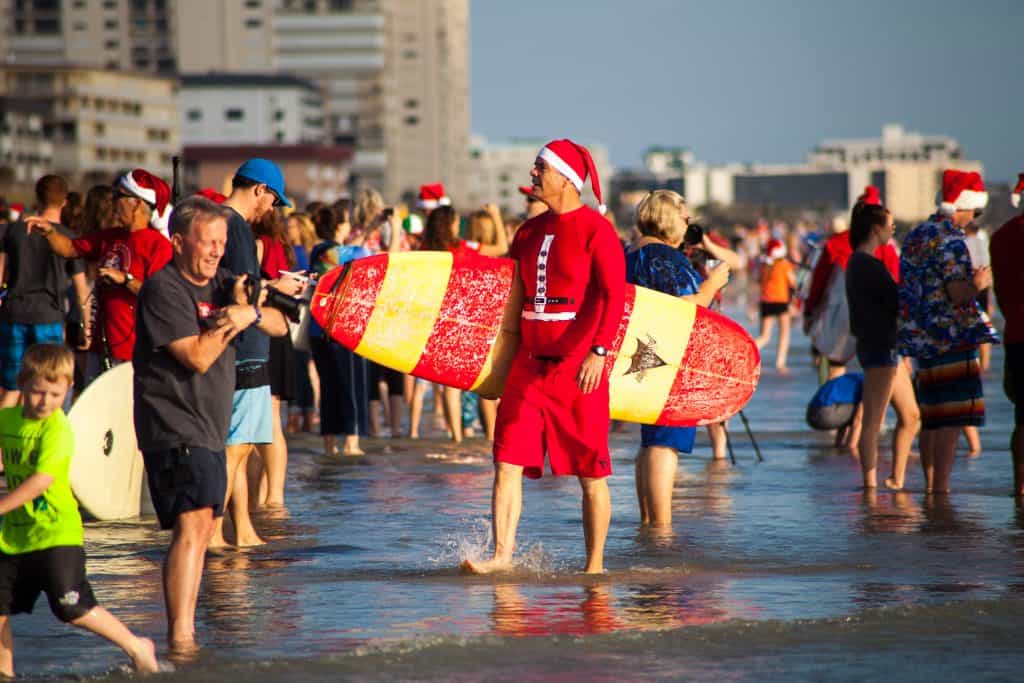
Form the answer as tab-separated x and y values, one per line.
878	359
679	438
251	418
15	338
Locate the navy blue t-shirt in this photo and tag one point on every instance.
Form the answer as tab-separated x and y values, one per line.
240	257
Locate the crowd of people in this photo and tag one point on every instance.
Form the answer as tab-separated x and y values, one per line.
204	299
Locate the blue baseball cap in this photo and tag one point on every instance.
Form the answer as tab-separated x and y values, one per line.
266	172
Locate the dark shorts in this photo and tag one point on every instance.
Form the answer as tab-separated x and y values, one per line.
949	390
59	572
769	309
394	380
1014	380
15	338
679	438
835	416
281	367
877	359
186	479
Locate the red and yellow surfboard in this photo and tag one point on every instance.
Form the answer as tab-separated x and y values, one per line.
449	321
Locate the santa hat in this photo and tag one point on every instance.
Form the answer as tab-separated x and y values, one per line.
961	191
152	190
575	163
1018	189
871	196
775	250
413	224
433	196
211	194
16	210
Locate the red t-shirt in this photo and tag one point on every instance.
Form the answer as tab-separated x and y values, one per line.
574	276
837	252
1006	246
274	258
139	252
465	247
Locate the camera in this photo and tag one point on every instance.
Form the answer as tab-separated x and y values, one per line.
290	306
694	235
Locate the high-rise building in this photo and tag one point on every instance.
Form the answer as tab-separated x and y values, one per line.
110	34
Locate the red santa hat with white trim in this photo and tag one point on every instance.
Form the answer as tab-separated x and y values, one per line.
961	191
1018	190
775	250
16	210
152	190
432	196
871	195
575	163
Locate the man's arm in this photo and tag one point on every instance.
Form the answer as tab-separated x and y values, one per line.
199	352
60	244
608	269
120	278
82	295
26	491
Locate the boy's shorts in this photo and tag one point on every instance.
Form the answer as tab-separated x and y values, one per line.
15	338
182	480
543	409
251	418
59	572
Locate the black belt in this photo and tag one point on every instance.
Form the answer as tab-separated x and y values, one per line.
251	376
541	300
548	359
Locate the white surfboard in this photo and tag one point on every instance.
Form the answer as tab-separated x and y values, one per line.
107	468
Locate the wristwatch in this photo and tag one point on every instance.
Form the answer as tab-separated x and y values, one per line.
599	351
259	315
128	277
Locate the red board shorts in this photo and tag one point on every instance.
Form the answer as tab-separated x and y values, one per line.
543	409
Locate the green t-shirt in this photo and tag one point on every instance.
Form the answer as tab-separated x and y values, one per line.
46	446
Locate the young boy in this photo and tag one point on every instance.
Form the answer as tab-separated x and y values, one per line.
41	534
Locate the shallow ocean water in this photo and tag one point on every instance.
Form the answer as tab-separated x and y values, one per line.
775	570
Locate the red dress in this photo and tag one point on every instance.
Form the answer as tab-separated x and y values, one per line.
573	274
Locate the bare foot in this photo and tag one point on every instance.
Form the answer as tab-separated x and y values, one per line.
182	650
490	566
144	656
353	452
596	569
414	435
217	543
974	454
783	370
893	485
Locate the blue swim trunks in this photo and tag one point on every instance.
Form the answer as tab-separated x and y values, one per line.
679	438
15	338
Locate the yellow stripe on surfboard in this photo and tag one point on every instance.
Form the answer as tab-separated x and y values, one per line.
641	400
408	305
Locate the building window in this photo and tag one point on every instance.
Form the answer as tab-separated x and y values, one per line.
234	114
139	5
112	44
195	115
412	120
279	115
339	5
253	4
409	54
48	26
78	4
79	26
140	63
253	23
412	104
110	24
165	65
109	4
101	128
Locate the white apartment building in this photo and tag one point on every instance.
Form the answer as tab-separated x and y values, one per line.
251	109
26	147
498	169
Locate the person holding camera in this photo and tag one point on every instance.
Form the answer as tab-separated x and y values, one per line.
657	263
257	188
189	315
127	254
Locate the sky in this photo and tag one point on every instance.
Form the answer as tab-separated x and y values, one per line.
749	80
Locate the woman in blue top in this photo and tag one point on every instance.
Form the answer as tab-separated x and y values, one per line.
657	263
343	384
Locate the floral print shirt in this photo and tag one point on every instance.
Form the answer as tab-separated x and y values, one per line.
930	325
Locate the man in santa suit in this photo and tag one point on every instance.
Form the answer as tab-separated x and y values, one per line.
571	280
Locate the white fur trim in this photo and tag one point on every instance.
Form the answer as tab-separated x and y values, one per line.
146	194
1015	200
434	203
969	200
161	222
559	165
602	209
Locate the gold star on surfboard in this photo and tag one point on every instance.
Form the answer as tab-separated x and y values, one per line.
644	359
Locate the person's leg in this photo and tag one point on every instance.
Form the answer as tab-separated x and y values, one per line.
973	441
438	397
719	437
330	392
985	356
767	326
1017	452
640	477
141	650
878	383
944	454
183	573
245	532
659	464
926	443
236	456
488	414
275	459
453	412
597	516
6	647
908	424
782	352
397	403
506	507
354	399
416	408
854	430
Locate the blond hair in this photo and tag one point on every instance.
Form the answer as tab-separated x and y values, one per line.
482	228
307	233
368	205
657	215
52	362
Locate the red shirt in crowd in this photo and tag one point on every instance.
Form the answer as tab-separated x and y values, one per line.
837	252
274	258
465	247
1008	276
139	252
574	277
